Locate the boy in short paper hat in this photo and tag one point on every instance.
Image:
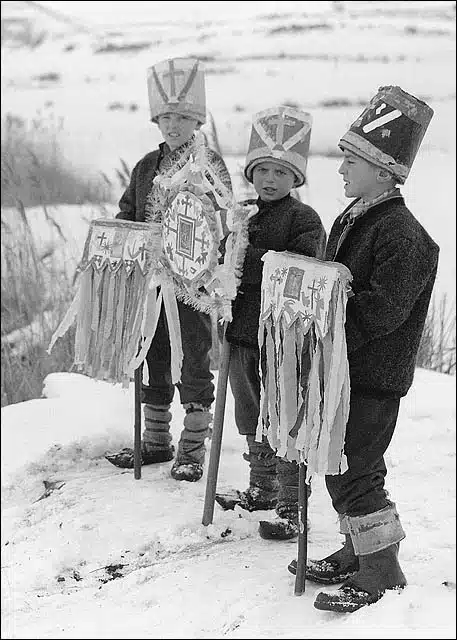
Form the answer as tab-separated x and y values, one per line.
275	163
176	89
393	261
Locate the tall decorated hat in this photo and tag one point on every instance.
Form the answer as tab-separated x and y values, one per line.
177	86
389	131
281	134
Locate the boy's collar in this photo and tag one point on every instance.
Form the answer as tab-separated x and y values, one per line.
267	204
359	206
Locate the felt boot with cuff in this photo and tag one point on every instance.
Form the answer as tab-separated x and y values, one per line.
191	448
376	539
156	442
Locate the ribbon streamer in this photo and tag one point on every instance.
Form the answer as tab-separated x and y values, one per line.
304	370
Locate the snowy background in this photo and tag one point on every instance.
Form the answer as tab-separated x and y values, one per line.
102	555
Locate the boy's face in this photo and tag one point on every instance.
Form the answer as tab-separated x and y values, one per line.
360	177
176	128
272	181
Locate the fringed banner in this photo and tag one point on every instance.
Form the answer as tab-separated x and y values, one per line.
116	306
304	369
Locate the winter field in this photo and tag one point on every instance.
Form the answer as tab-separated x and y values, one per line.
95	553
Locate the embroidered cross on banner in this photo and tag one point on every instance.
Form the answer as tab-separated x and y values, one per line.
314	290
276	278
102	239
139	252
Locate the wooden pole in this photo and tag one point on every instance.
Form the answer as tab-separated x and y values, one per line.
137	427
302	556
216	438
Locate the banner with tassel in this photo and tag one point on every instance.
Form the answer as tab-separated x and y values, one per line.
115	308
304	369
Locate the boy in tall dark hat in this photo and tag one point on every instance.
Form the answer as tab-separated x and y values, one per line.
275	163
393	261
176	90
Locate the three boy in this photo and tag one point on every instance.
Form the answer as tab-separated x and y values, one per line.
393	262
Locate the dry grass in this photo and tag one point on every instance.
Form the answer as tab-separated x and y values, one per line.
34	295
34	171
35	289
437	347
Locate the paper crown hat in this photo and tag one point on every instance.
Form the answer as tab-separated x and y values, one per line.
177	86
389	131
282	135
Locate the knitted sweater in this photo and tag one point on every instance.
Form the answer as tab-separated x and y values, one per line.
393	262
282	225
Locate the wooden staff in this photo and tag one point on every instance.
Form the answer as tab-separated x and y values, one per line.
302	556
216	438
137	427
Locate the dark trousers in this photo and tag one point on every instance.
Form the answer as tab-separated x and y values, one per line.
196	385
244	381
371	424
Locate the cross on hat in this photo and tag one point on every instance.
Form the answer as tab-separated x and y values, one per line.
173	74
269	139
281	121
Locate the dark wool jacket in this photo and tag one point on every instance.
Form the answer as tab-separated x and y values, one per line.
393	262
283	225
133	201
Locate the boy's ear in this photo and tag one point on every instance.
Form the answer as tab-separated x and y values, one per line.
384	175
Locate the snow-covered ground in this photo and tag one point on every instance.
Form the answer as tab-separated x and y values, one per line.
61	555
108	556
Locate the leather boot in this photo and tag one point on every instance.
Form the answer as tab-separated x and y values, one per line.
332	569
285	525
263	483
262	493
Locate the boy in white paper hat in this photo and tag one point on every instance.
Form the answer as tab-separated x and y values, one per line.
275	163
176	90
